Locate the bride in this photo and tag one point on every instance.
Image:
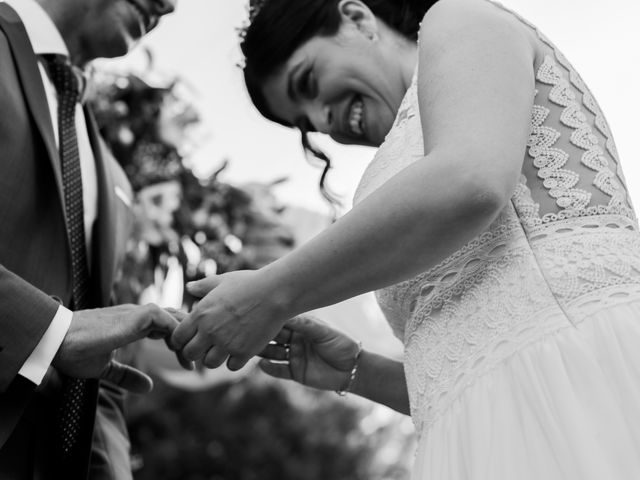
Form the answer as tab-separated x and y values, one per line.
494	223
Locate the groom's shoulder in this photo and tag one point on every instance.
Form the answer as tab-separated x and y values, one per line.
4	40
5	46
8	72
7	63
12	31
8	17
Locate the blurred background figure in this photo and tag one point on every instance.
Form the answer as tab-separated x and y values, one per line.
186	227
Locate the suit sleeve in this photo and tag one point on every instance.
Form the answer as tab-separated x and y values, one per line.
25	316
25	311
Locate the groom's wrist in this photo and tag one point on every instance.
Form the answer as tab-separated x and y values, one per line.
37	364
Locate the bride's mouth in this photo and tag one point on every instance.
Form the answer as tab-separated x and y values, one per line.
356	117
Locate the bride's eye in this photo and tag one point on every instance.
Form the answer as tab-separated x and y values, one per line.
306	86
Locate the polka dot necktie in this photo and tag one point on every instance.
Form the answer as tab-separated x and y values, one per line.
74	414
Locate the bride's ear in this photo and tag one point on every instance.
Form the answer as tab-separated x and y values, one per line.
360	15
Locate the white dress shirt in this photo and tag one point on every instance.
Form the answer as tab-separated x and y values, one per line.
46	39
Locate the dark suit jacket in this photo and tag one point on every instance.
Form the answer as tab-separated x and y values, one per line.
35	265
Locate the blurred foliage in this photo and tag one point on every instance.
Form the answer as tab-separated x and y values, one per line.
196	226
258	429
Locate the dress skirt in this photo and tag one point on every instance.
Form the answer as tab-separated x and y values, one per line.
566	407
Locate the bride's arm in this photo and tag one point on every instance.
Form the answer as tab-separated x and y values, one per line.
476	88
475	105
382	380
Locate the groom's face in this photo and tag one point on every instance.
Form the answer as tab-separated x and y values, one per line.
110	28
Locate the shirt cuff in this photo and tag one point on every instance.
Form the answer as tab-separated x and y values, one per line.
36	366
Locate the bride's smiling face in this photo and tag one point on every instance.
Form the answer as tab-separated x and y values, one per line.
346	85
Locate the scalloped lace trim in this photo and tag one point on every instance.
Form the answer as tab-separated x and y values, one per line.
529	210
430	398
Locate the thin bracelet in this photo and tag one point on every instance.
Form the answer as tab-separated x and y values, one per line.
352	375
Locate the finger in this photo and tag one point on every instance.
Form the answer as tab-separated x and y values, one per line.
283	336
184	363
276	351
179	315
215	357
278	370
309	327
196	348
201	287
236	362
158	322
127	377
200	368
183	334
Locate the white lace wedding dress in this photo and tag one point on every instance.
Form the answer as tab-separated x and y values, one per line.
522	349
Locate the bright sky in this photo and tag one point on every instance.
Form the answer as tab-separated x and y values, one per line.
199	43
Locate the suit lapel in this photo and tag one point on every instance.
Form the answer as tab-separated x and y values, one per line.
105	230
27	66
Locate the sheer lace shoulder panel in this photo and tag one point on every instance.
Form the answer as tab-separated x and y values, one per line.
572	165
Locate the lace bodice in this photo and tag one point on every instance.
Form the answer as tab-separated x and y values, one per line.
565	245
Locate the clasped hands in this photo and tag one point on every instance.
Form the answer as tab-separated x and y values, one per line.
242	314
239	315
220	326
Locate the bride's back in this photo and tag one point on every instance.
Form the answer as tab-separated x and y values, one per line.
564	247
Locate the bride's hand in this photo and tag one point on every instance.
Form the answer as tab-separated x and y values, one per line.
235	319
312	353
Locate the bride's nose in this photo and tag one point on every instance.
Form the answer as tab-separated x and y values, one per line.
164	7
321	117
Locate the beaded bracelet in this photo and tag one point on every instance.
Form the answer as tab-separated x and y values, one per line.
352	375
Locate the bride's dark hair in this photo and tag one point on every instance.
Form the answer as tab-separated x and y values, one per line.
278	27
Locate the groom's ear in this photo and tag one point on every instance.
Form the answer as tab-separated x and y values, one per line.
360	15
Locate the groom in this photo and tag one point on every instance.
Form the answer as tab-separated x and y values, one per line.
64	216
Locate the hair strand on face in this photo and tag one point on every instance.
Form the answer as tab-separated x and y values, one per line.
314	154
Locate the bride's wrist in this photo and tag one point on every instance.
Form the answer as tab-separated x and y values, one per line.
282	295
358	385
348	385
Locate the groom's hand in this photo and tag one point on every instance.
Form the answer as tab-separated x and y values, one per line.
87	349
